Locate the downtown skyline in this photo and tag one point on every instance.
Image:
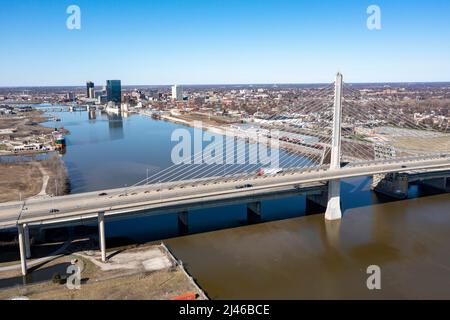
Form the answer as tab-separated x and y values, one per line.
214	42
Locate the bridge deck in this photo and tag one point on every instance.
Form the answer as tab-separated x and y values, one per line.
160	199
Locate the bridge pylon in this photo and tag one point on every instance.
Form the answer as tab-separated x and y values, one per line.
334	211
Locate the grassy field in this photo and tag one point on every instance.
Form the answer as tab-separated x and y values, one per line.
425	144
162	285
26	178
19	178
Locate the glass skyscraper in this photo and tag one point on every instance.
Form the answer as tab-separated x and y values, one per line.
114	91
89	86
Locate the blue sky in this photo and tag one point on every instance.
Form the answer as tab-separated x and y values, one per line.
222	41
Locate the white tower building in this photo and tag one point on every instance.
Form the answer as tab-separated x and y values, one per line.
177	93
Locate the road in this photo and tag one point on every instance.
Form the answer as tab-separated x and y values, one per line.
170	197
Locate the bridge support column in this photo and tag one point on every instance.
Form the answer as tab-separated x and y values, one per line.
334	211
101	235
183	222
23	257
334	187
254	212
26	235
394	185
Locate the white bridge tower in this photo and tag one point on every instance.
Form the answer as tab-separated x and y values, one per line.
334	211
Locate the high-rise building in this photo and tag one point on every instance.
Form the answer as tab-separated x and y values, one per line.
91	93
114	91
70	96
89	86
177	93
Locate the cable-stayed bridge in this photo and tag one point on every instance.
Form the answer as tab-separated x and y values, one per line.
337	132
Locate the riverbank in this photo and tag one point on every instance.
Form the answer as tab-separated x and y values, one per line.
310	258
24	134
29	173
227	130
146	272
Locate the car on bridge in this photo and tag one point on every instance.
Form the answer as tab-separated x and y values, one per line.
244	186
268	172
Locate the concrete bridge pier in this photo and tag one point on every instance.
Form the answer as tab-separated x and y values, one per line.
329	201
101	235
254	212
183	222
27	241
23	257
334	211
441	184
394	185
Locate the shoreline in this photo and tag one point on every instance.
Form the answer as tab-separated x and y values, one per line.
159	274
33	173
236	133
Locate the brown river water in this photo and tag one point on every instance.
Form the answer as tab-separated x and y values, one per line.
292	254
308	258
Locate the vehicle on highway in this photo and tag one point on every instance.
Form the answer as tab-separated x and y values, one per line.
244	186
53	211
269	171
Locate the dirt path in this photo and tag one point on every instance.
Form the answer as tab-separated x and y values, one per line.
45	178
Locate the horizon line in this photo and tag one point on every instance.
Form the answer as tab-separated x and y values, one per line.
229	84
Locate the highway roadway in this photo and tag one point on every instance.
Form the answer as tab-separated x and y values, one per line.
176	196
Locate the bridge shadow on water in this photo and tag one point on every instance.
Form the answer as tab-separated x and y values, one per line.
356	193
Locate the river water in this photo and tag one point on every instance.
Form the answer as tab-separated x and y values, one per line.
292	254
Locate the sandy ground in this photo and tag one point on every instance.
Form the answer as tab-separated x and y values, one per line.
163	285
152	259
26	124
